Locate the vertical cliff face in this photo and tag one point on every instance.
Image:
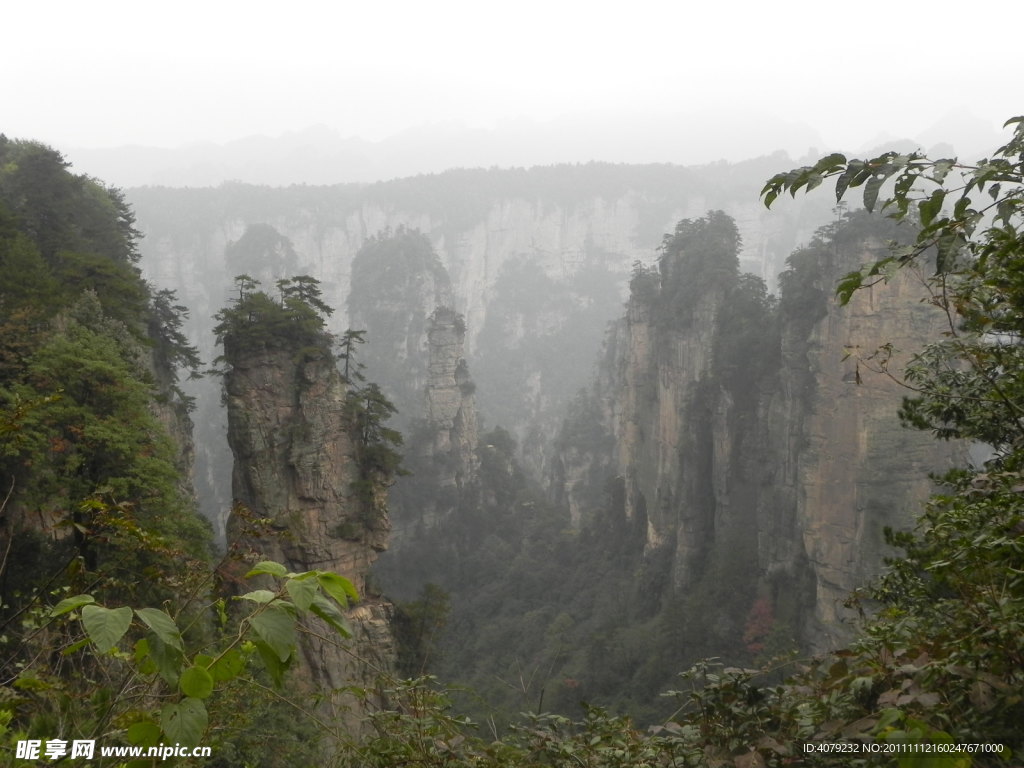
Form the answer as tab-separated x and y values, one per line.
401	296
851	468
450	408
537	260
295	466
750	441
397	282
441	451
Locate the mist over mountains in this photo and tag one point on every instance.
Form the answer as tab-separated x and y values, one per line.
322	155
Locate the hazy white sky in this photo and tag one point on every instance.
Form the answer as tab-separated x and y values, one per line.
111	72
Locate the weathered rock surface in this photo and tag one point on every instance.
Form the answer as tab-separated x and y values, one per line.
441	451
294	467
450	408
854	469
537	260
789	451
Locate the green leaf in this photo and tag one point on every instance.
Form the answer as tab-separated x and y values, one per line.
106	626
931	207
962	207
144	733
196	682
259	596
275	626
846	177
228	666
848	285
329	612
274	666
269	567
947	249
941	169
831	163
184	721
143	659
881	266
338	587
799	179
302	591
74	647
163	626
871	190
1006	210
168	659
69	604
901	191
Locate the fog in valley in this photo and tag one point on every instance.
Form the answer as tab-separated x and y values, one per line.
466	334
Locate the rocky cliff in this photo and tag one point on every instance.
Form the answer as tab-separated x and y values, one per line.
536	260
849	469
296	471
753	438
397	283
450	408
441	449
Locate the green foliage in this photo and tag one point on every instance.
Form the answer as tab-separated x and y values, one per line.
303	291
418	728
698	259
937	663
107	626
255	322
121	293
645	281
93	436
376	445
67	251
966	385
747	348
172	347
351	369
261	250
941	661
184	678
417	626
62	212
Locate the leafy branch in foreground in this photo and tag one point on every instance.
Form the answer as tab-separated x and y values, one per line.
969	219
923	189
941	657
165	677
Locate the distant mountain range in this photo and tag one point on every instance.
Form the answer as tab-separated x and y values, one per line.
321	155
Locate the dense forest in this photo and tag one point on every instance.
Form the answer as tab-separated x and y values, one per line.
633	598
121	624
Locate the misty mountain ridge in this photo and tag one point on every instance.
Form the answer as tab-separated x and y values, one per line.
321	155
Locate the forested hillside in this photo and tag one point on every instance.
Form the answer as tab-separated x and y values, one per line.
719	489
747	506
932	672
94	419
118	628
